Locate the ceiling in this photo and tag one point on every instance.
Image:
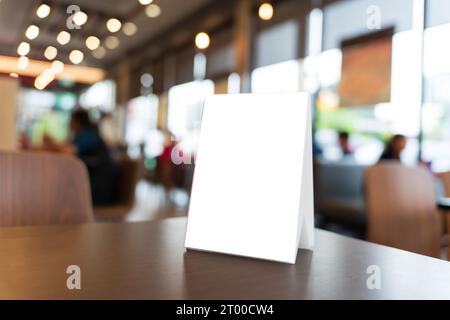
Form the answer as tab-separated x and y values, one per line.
17	15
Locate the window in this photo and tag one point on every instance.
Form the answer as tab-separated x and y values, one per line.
45	113
437	12
277	44
185	111
369	125
349	19
141	126
280	77
101	96
436	113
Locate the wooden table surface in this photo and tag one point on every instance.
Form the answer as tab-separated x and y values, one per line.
148	261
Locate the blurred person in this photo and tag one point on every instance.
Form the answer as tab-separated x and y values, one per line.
394	148
108	129
344	143
87	144
24	141
316	148
165	163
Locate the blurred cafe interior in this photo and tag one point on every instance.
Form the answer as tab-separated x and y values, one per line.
120	85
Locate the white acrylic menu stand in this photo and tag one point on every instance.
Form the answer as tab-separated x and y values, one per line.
252	194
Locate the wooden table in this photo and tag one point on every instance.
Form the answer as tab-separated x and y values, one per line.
148	261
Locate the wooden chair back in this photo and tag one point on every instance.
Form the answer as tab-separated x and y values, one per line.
445	177
401	209
43	189
130	171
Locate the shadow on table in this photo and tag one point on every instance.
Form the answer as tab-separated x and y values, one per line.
220	276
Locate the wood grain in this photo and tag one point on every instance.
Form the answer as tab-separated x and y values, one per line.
148	261
43	189
401	209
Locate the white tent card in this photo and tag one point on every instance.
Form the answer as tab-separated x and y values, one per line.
252	194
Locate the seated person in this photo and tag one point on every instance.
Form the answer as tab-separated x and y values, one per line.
87	144
344	143
394	148
166	164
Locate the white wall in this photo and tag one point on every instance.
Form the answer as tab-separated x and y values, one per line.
438	12
348	19
277	44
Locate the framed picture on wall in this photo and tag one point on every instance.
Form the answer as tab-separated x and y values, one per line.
366	69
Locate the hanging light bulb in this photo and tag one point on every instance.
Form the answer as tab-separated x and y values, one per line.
51	53
202	40
57	67
129	28
113	25
32	32
112	42
99	53
76	56
43	11
147	80
153	10
266	11
80	18
23	49
63	38
92	42
39	83
22	63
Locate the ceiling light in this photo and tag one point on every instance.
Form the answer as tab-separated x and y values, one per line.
48	76
78	74
153	11
147	80
43	11
145	2
22	63
112	42
266	11
130	28
32	32
80	18
51	53
23	49
44	79
76	56
99	53
92	42
57	67
63	37
113	25
39	83
202	40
